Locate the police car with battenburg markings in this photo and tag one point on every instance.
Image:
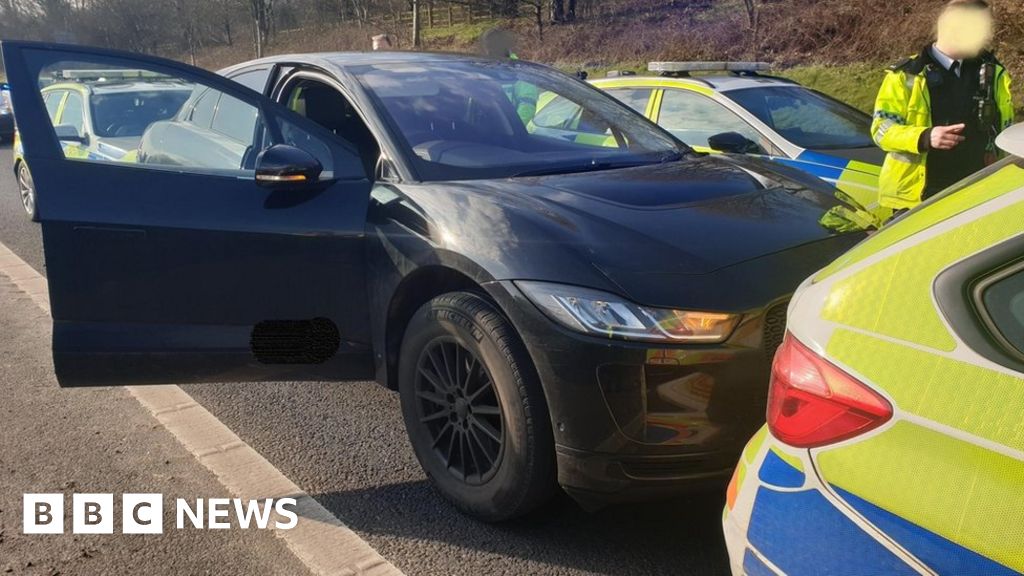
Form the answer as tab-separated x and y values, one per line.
894	442
736	107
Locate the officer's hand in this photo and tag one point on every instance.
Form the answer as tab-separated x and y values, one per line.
947	137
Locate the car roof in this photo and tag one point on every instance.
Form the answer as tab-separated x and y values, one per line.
719	83
346	59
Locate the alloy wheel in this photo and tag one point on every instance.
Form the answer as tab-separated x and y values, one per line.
458	405
28	194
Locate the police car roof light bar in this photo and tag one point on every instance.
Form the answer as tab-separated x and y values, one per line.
685	68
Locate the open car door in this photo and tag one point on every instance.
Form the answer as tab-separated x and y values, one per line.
193	229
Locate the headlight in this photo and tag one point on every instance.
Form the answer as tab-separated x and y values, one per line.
602	314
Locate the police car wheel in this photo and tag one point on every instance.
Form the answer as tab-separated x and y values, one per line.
474	409
27	190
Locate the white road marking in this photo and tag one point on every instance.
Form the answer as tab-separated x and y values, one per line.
319	540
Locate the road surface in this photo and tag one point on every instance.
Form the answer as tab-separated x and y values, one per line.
344	444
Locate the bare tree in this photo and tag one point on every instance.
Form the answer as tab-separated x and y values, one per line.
221	19
537	6
416	25
563	11
262	12
185	14
56	12
754	17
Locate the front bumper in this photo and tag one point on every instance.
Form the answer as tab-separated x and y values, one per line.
636	420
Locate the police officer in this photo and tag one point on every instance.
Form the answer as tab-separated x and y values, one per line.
938	113
500	44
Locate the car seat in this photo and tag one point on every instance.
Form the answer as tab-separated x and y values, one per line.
330	109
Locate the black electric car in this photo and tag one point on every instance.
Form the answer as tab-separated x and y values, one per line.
594	308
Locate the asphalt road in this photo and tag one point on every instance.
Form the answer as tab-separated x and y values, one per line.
345	444
101	440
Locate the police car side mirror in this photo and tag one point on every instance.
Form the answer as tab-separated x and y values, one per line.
284	167
68	133
1011	140
733	143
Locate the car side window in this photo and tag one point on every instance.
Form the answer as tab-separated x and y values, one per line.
805	117
156	120
695	118
202	112
52	102
235	119
1003	303
73	114
635	98
253	79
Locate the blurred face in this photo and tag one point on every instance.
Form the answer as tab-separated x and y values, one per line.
964	32
498	43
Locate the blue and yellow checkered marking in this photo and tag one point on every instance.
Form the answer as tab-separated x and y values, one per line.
805	532
884	115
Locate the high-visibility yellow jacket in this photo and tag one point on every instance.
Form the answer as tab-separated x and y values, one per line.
523	96
902	115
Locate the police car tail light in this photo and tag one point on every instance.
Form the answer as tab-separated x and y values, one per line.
812	403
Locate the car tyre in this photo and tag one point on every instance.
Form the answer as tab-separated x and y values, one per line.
474	409
27	191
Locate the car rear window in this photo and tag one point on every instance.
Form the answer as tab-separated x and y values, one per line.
120	114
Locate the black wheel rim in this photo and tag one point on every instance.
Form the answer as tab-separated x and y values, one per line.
458	405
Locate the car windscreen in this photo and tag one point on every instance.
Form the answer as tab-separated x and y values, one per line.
491	119
806	118
128	114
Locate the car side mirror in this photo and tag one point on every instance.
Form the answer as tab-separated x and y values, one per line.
733	143
284	167
68	133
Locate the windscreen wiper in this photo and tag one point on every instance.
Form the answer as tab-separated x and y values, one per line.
592	167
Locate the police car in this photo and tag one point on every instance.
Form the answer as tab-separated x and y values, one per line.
734	107
101	115
894	442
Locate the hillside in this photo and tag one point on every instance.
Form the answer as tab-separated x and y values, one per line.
837	46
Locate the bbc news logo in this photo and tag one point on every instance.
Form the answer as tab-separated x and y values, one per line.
144	513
